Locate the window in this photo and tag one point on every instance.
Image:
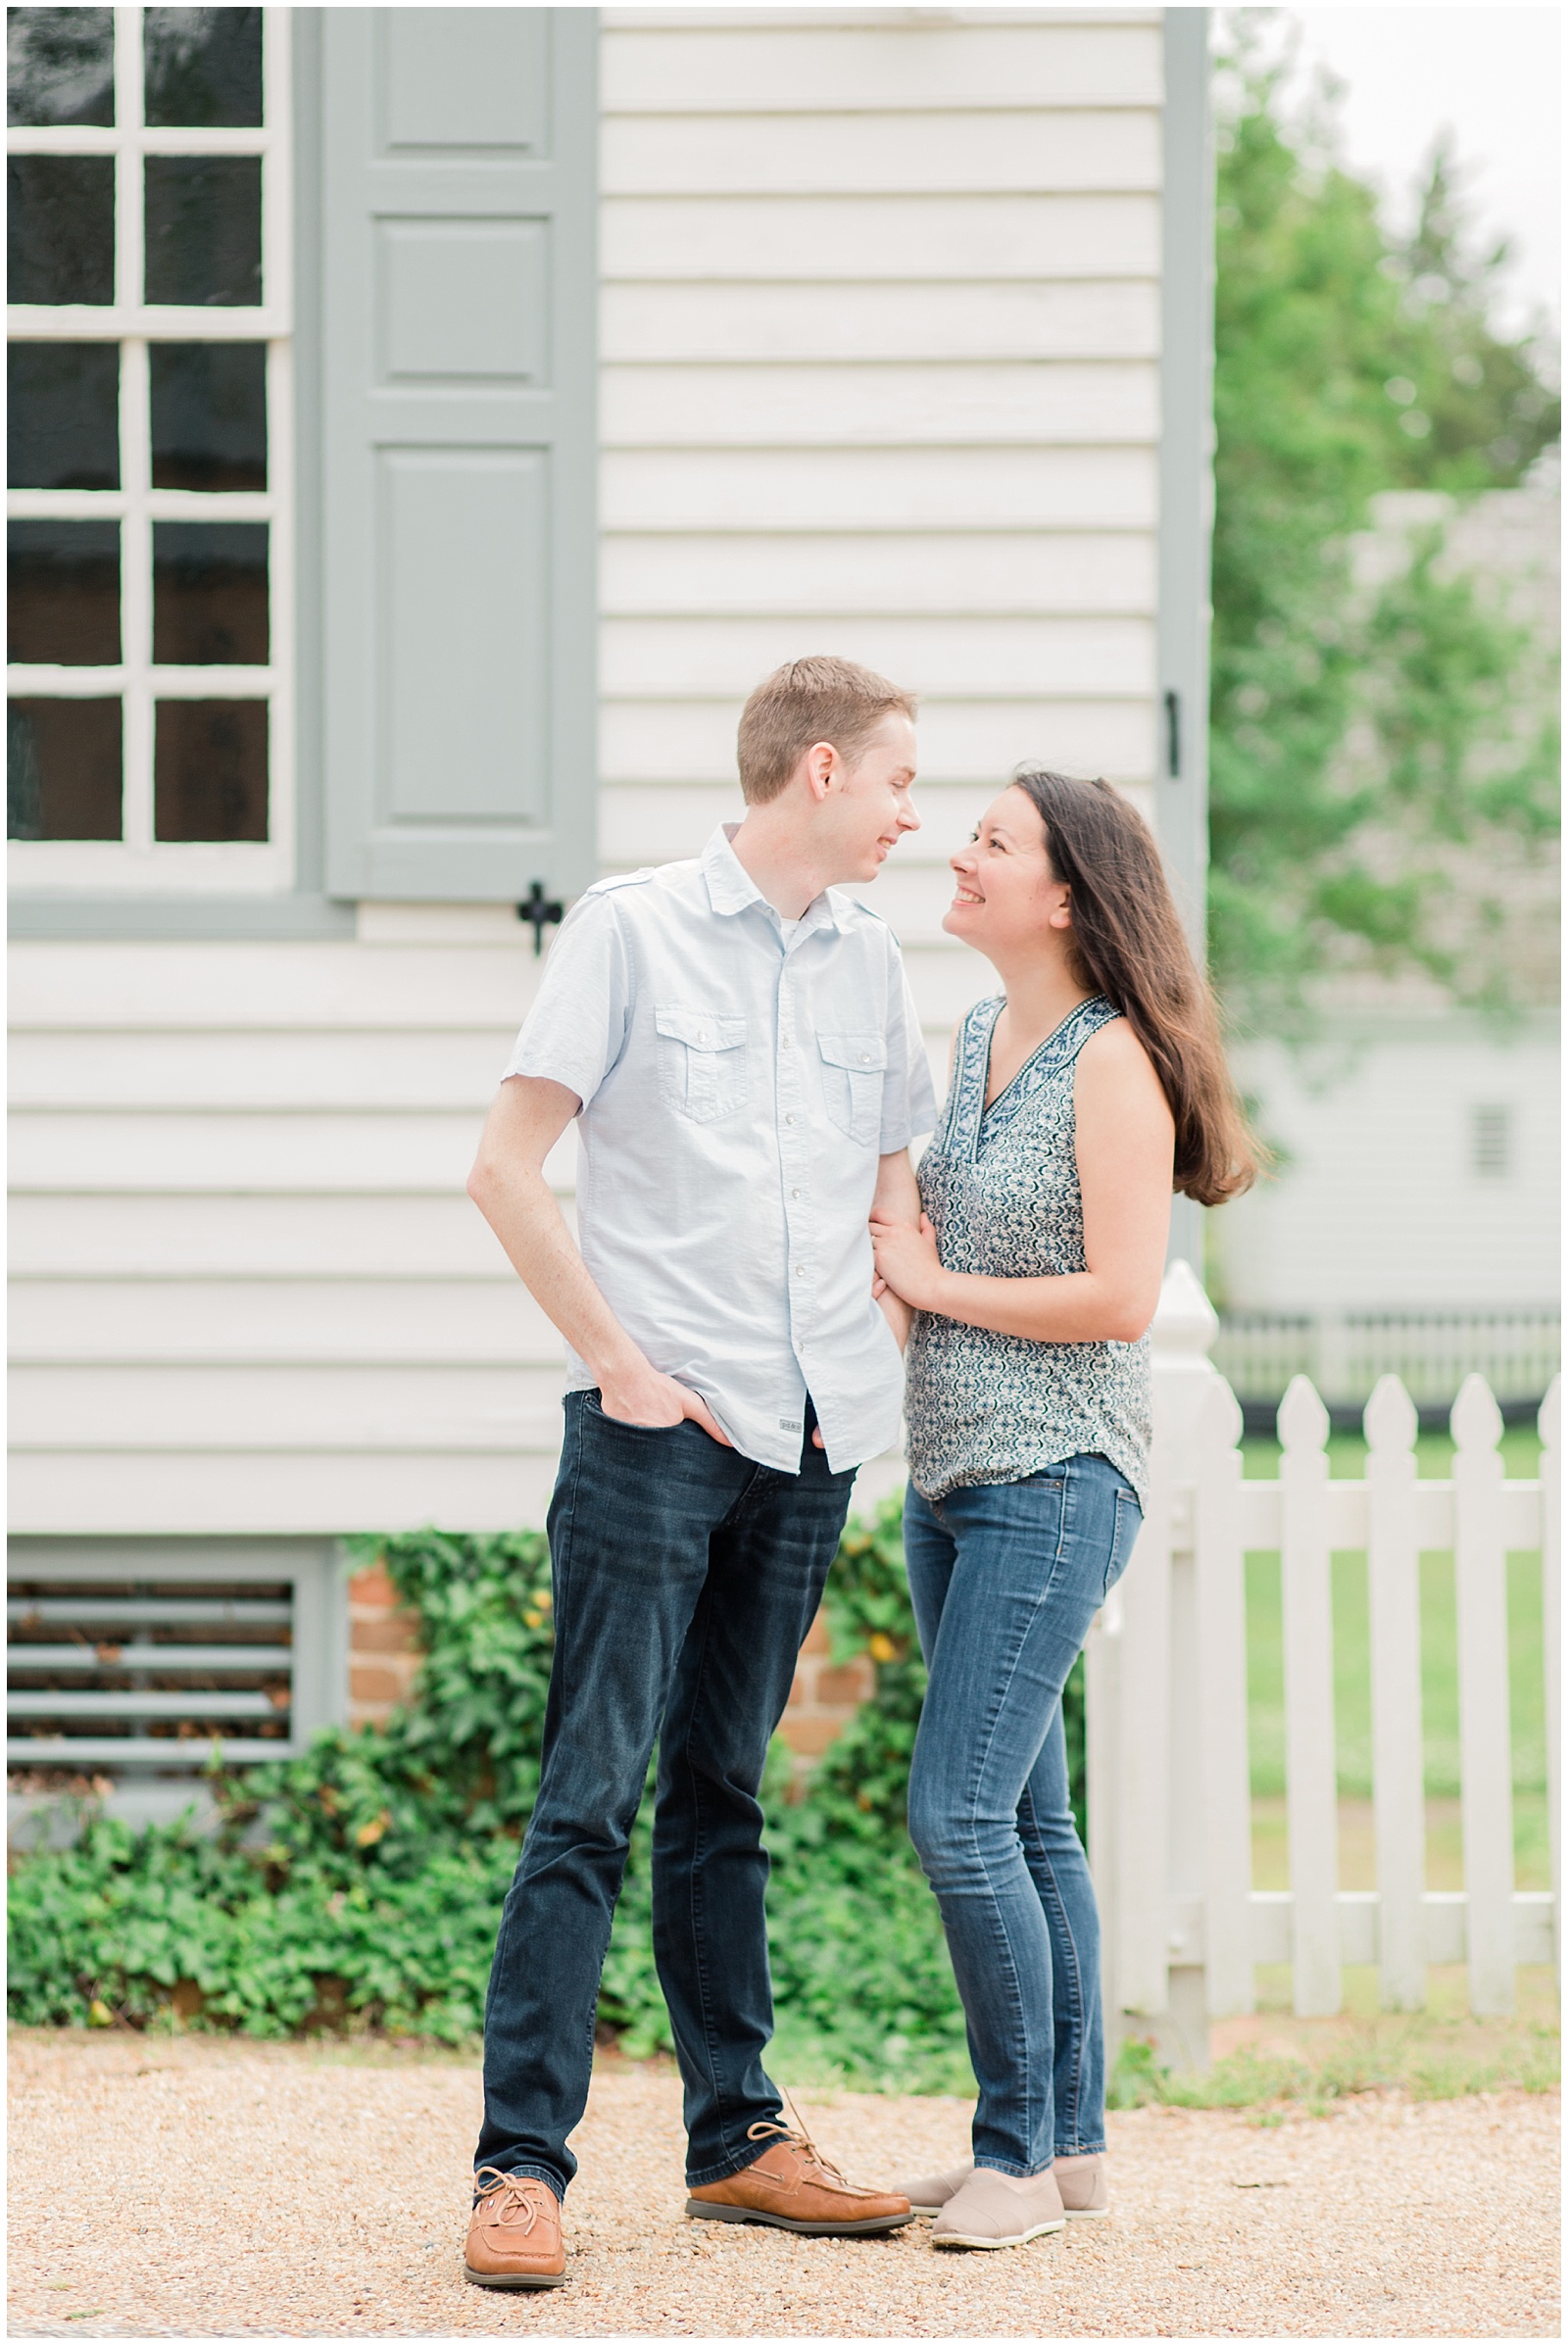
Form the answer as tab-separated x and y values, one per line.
148	449
1492	1142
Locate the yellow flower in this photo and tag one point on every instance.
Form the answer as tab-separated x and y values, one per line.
99	2015
368	1834
881	1647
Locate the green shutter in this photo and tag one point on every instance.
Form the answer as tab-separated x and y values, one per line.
459	450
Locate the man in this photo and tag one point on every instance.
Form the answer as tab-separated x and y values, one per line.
737	1039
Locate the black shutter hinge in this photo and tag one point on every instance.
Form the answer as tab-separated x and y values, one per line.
541	912
1173	734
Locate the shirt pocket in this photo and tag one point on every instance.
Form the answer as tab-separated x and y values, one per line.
854	1070
702	1060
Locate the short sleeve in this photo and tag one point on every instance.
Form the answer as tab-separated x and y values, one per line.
908	1096
576	1029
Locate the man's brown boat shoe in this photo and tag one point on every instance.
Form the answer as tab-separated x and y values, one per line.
793	2187
515	2234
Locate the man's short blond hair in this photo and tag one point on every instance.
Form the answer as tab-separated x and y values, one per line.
804	703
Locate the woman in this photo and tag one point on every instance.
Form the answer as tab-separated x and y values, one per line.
1079	1097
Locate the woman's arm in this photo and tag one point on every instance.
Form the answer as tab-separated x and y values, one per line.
895	1201
1125	1146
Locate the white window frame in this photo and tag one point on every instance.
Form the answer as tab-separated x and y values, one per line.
137	862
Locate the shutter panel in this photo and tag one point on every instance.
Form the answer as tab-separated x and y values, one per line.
458	303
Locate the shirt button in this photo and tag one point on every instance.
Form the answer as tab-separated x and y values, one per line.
799	1270
789	1119
701	1036
865	1055
795	1193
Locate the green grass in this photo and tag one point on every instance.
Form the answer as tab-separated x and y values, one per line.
1440	1688
1271	2062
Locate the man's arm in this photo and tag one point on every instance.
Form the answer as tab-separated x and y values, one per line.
896	1199
508	1185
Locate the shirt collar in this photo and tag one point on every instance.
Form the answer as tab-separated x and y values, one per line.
732	887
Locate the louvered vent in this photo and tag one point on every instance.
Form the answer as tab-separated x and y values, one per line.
147	1665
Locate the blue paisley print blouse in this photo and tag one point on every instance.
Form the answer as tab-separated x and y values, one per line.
1001	1186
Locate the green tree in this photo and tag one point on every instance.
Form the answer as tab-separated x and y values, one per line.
1357	740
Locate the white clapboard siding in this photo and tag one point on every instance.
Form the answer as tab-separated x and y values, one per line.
682	323
904	403
915	153
976	740
274	988
202	1070
334	1493
93	1151
1394	1560
848	238
1001	490
1071	574
321	1322
258	1408
973	658
1486	1769
1043	60
1306	1610
165	1238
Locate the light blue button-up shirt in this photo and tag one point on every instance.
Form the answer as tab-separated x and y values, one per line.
738	1086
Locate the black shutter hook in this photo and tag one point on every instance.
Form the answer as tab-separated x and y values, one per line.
541	912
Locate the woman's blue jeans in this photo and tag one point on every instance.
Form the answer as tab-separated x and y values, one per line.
1005	1578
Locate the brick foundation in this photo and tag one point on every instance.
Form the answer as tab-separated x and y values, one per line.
383	1649
384	1660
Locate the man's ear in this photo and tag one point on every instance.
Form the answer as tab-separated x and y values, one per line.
821	762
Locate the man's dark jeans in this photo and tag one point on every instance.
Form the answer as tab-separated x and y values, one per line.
685	1580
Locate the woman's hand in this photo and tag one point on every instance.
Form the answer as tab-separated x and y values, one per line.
907	1261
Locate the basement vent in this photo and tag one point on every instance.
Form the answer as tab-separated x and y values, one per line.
137	1656
1492	1142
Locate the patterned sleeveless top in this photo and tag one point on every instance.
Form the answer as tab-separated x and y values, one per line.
1001	1186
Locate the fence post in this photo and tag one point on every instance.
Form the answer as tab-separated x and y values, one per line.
1157	1831
1222	1707
1549	1423
1307	1603
1394	1594
1486	1760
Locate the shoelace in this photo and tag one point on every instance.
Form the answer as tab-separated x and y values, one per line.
795	2137
507	2199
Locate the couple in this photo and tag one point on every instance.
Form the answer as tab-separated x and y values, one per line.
737	1042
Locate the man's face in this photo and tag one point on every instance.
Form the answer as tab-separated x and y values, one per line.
869	806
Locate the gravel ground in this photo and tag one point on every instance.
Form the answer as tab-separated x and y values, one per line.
197	2190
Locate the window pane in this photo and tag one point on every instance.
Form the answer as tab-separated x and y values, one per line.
209	770
209	415
204	230
63	769
209	594
204	65
64	593
62	425
60	234
59	65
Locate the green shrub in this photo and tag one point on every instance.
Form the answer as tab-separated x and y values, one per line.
360	1885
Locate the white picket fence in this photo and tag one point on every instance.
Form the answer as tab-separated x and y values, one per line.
1169	1794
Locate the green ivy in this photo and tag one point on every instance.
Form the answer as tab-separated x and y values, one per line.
358	1884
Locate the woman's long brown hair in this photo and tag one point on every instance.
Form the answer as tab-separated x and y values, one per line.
1130	945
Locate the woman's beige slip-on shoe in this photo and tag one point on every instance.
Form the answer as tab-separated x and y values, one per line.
995	2210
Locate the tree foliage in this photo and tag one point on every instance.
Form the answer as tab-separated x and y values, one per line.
1359	737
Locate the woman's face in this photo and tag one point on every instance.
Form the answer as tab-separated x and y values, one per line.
1008	897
